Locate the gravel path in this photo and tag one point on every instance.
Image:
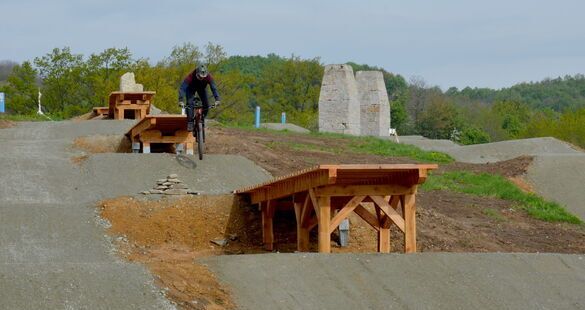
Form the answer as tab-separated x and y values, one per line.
53	249
399	281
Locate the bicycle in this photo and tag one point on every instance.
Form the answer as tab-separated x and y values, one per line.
199	126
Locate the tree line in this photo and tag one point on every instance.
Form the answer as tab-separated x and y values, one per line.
72	84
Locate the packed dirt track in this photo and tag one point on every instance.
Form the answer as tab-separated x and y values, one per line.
75	231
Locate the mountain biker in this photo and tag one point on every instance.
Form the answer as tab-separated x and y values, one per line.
196	83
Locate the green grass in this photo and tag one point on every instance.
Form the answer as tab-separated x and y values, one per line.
359	145
496	186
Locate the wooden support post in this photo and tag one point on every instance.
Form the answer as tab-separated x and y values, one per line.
324	207
302	232
189	147
384	232
267	227
409	209
146	147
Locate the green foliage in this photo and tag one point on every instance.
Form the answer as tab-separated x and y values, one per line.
376	146
569	126
496	186
439	118
21	91
473	135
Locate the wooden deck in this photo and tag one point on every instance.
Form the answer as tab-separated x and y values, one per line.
138	103
324	196
161	129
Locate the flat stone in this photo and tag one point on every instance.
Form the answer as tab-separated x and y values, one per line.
179	186
160	181
176	192
174	181
193	193
167	184
220	242
172	176
162	187
145	192
156	191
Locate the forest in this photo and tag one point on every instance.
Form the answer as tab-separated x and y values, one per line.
71	84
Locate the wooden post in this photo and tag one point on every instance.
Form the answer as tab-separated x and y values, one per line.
189	148
267	229
302	232
409	209
384	232
324	207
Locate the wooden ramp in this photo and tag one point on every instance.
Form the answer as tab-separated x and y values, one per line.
326	195
137	103
170	129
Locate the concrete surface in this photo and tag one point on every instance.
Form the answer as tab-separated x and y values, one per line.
561	178
399	281
286	126
54	251
556	172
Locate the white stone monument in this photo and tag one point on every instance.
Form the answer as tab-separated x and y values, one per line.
339	106
128	84
374	104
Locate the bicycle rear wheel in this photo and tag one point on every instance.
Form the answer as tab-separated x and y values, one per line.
200	141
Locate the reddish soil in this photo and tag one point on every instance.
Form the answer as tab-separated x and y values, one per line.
6	123
168	235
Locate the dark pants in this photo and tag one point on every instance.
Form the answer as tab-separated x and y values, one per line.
191	103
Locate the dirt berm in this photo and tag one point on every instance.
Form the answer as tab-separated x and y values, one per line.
396	281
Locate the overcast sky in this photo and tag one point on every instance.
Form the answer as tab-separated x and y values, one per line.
494	43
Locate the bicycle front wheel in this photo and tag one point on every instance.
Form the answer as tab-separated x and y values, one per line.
200	142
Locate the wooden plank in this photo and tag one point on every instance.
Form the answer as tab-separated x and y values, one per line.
358	190
305	211
315	202
410	224
389	211
367	216
143	125
345	212
324	204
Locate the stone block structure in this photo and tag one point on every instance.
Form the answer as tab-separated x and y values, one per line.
374	104
339	107
356	105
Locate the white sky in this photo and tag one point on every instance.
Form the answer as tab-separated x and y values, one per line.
459	43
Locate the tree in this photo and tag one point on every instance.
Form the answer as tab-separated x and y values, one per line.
439	118
22	90
62	82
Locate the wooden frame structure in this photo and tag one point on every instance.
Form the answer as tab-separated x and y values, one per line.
325	195
161	129
138	102
101	111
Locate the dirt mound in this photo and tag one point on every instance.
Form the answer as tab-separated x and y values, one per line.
103	144
6	123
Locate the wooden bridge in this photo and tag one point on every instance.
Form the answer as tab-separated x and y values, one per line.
171	129
325	195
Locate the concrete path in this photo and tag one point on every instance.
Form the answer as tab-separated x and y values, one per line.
557	173
399	281
54	253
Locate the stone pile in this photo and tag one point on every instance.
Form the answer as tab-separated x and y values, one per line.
171	185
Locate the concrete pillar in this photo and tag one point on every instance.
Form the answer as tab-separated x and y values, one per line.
135	147
344	233
374	104
339	107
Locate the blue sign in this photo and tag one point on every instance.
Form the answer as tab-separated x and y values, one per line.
1	102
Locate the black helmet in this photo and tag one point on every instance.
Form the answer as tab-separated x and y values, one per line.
201	71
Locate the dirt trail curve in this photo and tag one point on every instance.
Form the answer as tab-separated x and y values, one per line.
53	250
556	173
